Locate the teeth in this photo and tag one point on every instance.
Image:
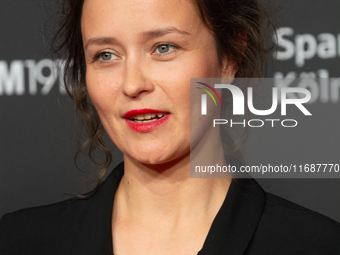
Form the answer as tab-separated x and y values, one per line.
147	117
149	120
140	117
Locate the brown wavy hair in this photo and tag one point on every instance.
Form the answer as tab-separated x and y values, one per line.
241	29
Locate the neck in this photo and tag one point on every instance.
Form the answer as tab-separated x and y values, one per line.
166	193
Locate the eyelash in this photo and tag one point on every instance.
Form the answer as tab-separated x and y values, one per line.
173	48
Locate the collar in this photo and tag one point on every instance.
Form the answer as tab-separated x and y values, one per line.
230	232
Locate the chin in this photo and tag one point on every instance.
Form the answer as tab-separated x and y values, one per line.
159	158
153	159
164	162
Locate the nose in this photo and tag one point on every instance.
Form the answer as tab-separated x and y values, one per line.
135	81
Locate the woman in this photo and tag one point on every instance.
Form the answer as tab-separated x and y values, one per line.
132	61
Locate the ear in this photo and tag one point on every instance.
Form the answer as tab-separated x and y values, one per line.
229	69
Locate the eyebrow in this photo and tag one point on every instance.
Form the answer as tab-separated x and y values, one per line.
148	34
163	31
100	41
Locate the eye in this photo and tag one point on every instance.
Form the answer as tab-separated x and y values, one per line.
164	49
107	56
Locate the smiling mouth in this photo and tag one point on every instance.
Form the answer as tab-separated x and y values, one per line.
145	118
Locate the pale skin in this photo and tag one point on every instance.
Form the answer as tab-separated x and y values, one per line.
142	54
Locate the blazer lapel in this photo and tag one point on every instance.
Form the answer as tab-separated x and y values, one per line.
237	219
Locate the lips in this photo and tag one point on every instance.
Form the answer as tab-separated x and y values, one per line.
145	120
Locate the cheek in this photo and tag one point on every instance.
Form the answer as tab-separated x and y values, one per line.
102	90
174	78
199	66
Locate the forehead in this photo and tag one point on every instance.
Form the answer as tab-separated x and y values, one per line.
134	16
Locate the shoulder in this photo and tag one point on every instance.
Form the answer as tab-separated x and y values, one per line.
33	226
297	217
289	227
74	224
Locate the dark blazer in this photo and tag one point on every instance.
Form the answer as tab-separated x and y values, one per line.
250	221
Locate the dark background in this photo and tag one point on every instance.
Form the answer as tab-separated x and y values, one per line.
38	131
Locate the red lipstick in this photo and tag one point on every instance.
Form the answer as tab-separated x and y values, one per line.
149	124
132	113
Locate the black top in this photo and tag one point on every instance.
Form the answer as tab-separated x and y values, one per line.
250	221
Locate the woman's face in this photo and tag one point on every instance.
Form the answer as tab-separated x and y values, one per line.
140	56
